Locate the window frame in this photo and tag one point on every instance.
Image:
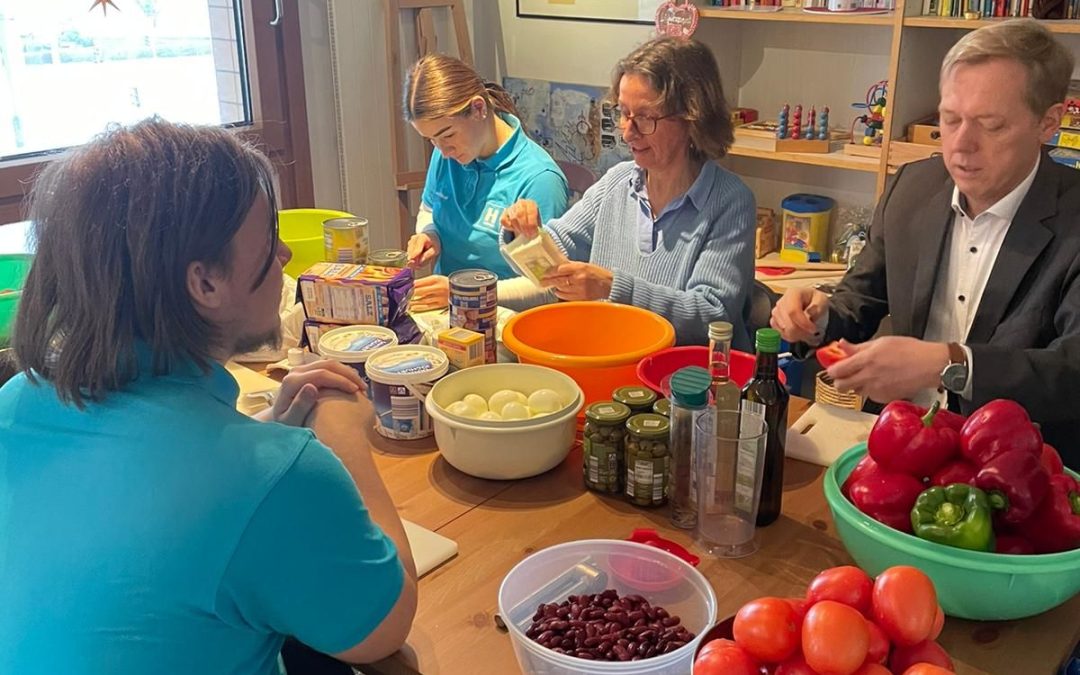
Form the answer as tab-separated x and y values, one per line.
279	112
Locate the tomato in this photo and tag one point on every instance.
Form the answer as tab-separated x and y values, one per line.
767	628
927	669
800	606
872	669
830	354
905	604
879	644
924	652
939	624
847	584
796	665
726	659
713	645
835	638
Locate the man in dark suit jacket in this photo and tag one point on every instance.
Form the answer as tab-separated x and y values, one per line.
975	255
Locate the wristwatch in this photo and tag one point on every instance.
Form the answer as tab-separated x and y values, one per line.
954	377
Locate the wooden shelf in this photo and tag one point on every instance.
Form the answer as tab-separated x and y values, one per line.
834	160
1070	26
795	15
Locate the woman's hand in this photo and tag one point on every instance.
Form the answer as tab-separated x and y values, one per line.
301	388
431	292
423	248
580	281
522	217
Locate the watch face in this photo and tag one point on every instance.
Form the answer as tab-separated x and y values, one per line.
954	377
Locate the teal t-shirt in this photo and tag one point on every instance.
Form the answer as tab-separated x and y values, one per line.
161	531
467	201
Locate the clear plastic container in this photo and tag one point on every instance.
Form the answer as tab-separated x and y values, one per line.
592	566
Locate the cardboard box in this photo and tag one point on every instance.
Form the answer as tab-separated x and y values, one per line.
354	294
464	347
1067	157
765	236
1064	138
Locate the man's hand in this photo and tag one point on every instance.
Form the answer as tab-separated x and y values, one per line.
301	388
423	248
431	292
580	281
890	368
522	217
796	312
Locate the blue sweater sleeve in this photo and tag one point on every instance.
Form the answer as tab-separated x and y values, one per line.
719	283
311	564
573	231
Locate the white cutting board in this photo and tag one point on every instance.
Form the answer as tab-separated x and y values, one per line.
429	549
824	432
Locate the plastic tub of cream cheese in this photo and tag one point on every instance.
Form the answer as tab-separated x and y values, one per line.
353	345
401	378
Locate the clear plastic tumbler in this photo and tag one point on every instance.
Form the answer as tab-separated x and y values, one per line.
730	459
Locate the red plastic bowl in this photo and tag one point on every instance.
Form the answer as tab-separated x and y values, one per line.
653	369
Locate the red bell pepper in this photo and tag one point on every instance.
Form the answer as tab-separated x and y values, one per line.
1013	544
866	467
1052	460
956	471
951	419
1020	478
830	354
1056	524
998	427
910	439
887	498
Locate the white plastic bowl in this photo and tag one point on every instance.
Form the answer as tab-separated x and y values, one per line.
504	450
592	566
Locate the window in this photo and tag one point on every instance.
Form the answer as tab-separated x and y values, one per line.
66	73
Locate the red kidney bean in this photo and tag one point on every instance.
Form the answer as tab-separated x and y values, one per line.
621	653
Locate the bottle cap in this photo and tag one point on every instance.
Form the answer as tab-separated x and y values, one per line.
767	340
720	330
690	386
296	356
607	412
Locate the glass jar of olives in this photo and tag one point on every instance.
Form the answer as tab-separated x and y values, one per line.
638	399
662	407
648	457
603	446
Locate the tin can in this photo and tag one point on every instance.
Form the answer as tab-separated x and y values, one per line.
474	305
388	257
345	240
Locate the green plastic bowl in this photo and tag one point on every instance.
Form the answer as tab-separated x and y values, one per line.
302	232
13	270
970	584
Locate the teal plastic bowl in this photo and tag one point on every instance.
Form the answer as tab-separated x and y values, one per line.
970	584
13	270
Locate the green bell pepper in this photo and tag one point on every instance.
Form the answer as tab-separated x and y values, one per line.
957	515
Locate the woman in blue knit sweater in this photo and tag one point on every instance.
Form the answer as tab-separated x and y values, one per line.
670	231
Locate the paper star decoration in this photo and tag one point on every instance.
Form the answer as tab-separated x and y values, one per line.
105	4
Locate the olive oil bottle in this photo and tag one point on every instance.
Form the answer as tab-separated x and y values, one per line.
765	395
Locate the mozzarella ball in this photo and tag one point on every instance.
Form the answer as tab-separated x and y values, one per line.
500	398
515	411
489	416
477	401
544	401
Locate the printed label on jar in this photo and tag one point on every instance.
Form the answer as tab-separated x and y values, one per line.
646	480
601	463
651	424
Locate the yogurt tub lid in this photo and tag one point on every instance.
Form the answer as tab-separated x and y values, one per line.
354	344
407	364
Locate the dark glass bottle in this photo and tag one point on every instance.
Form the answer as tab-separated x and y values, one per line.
767	396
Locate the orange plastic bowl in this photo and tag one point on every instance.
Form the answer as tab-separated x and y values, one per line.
598	344
653	369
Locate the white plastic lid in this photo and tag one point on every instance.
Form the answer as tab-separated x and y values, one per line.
407	364
354	344
296	356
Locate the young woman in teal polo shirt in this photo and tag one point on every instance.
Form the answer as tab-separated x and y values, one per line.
483	162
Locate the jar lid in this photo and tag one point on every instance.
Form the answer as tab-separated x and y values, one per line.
635	396
690	386
720	330
354	344
407	364
607	412
649	425
662	407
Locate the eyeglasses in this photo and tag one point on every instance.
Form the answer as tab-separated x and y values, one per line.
643	124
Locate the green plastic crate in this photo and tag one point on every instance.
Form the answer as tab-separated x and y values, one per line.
13	270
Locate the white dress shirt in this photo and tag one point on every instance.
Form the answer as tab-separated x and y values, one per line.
971	248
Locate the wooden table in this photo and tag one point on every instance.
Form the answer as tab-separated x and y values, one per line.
498	523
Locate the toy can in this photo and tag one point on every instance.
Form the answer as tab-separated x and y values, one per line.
401	378
345	240
474	305
806	227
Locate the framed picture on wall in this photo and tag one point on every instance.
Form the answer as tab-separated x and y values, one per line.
621	11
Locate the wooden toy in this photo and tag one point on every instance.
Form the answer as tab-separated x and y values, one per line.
798	133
